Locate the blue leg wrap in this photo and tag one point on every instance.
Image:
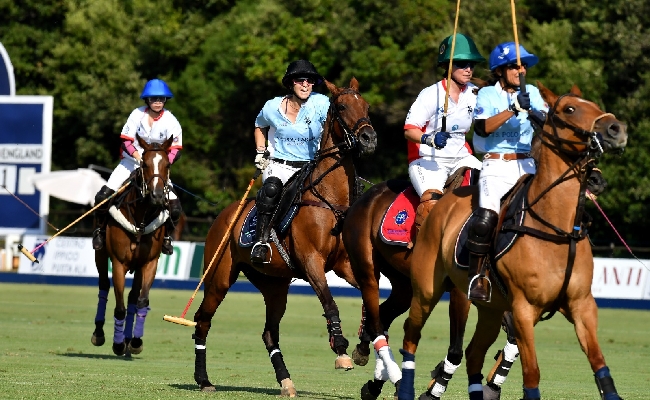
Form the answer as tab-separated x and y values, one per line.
406	387
605	384
101	305
128	324
532	393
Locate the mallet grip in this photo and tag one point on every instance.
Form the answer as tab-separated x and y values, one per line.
27	253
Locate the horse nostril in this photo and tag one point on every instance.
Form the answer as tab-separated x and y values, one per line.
614	129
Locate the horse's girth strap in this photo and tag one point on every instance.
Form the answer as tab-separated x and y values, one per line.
323	205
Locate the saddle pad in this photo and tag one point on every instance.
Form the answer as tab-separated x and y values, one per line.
247	235
504	239
397	224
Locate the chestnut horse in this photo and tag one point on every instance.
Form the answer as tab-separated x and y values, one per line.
313	244
549	267
134	238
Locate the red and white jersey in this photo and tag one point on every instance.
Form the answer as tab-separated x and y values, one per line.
162	128
426	115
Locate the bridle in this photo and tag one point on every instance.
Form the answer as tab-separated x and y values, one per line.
144	188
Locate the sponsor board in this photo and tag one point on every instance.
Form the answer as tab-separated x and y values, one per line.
621	278
72	256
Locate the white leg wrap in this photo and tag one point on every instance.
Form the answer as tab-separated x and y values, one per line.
438	389
199	347
510	352
394	372
381	372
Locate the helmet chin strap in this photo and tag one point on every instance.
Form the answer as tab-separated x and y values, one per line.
460	85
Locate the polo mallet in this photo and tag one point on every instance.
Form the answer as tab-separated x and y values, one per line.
30	255
181	320
451	66
29	208
522	77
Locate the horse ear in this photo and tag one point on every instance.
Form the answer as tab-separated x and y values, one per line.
354	84
332	87
142	142
576	90
168	143
548	96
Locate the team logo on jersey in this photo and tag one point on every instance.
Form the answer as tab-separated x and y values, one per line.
441	110
478	110
401	217
175	139
454	128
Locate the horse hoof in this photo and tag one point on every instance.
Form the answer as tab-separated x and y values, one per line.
287	389
369	391
208	389
343	362
135	346
119	348
98	340
359	359
490	393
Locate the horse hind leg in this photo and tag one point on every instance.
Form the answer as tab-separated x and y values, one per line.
101	262
136	345
504	360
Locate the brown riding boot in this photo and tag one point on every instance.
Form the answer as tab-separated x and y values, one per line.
478	243
428	199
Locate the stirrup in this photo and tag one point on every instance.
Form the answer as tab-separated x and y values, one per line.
167	247
489	289
260	244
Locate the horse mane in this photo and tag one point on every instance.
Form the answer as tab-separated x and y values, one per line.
535	147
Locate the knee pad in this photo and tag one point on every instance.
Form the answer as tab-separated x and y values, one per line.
482	230
103	194
269	195
175	210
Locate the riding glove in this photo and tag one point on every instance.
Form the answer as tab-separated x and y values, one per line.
262	159
537	118
440	140
524	100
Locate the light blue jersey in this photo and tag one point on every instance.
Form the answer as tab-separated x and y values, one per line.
516	134
297	141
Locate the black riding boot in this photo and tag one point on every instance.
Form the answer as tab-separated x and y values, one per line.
175	211
267	198
101	214
480	238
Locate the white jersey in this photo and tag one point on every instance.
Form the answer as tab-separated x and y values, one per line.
163	127
426	114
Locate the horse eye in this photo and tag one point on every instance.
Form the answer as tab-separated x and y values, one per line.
340	107
569	109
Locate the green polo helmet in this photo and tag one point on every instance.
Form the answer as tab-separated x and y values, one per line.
464	50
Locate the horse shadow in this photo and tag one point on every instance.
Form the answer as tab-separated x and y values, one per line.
97	356
264	391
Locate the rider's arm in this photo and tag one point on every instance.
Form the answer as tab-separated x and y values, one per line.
413	134
484	127
260	138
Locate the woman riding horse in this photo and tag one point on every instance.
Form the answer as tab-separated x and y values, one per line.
308	248
548	268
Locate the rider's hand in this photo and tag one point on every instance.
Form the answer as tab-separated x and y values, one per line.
427	139
523	101
537	118
262	159
440	140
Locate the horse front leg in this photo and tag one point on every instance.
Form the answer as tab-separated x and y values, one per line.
524	317
104	283
338	343
504	360
585	319
119	314
138	306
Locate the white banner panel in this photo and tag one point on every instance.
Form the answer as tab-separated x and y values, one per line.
620	278
72	256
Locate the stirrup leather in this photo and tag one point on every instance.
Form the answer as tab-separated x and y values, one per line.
267	245
489	284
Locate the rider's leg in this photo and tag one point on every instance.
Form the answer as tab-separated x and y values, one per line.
481	233
267	198
175	211
428	199
99	235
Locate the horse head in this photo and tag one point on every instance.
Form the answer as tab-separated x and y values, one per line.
155	170
578	126
350	125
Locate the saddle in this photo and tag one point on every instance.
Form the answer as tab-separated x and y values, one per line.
398	221
290	201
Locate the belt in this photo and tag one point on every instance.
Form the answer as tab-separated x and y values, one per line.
292	164
506	156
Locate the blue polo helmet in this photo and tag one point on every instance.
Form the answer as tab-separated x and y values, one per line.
506	53
155	88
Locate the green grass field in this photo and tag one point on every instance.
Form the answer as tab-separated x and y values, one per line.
46	351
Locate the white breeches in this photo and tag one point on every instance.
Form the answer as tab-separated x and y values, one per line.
281	171
428	173
122	173
499	176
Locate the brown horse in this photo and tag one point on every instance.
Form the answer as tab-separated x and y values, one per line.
134	242
549	267
313	244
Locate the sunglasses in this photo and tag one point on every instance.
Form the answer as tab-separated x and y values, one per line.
515	66
301	81
157	99
464	64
